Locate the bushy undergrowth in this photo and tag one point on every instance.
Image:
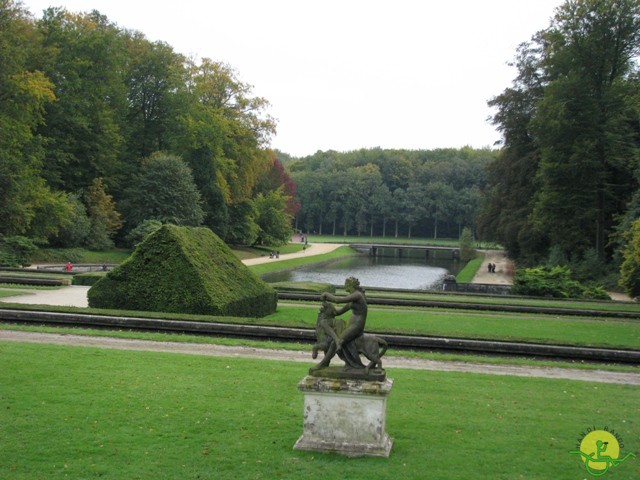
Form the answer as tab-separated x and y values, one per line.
553	282
15	251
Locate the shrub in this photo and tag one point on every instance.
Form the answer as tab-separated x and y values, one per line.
15	251
142	231
185	270
630	268
467	252
553	282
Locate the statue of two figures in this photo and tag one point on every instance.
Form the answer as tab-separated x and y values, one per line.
347	340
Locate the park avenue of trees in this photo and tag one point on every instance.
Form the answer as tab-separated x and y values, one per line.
105	135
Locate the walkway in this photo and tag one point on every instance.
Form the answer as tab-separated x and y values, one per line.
596	376
311	250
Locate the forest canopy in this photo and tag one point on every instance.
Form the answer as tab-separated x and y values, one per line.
425	193
100	126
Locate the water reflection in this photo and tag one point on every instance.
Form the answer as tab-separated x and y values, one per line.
382	272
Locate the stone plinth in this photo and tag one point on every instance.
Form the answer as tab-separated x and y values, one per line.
345	416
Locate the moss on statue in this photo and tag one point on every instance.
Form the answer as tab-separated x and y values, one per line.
184	270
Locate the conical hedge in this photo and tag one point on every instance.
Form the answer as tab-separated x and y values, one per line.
185	270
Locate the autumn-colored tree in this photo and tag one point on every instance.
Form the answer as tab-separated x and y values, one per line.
105	219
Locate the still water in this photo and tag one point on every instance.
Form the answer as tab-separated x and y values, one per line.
413	272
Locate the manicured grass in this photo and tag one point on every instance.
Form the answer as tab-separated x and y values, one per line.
10	293
602	305
469	271
497	326
70	412
269	267
568	330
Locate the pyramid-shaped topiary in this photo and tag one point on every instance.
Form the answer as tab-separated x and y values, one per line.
184	270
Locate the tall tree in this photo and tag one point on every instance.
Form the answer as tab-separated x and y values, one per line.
222	135
587	160
155	73
272	218
572	129
104	217
27	204
509	198
164	190
85	59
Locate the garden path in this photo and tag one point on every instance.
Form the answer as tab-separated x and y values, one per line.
596	376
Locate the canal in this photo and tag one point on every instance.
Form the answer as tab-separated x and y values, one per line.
412	270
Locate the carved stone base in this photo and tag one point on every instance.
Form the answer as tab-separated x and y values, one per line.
345	416
377	375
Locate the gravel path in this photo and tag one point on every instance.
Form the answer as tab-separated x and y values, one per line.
595	376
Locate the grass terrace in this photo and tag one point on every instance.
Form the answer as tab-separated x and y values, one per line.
72	412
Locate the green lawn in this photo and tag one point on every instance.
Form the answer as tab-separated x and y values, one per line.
444	242
604	332
568	330
269	267
71	412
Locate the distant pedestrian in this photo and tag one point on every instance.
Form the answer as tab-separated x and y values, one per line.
489	267
69	267
493	268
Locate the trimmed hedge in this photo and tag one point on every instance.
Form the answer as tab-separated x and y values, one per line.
184	270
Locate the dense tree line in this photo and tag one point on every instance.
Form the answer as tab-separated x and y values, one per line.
102	130
564	188
434	193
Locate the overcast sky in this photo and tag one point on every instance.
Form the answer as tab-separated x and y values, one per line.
349	74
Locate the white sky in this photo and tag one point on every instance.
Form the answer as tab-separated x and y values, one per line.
349	74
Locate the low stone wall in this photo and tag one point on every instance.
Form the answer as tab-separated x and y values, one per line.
485	288
80	267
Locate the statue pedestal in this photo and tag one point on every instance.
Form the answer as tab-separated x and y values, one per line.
345	416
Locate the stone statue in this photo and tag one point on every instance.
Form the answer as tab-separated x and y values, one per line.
348	341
